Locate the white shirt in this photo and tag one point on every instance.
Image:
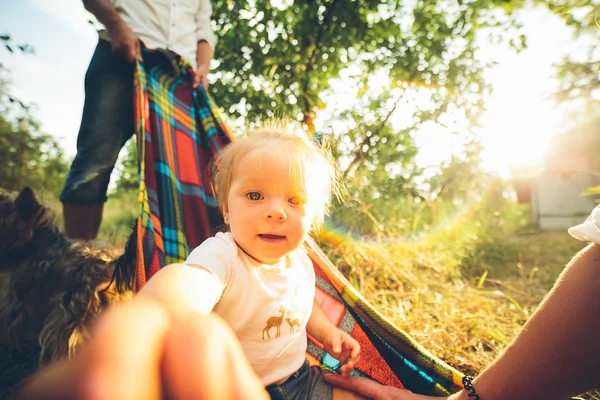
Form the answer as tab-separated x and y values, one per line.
589	230
176	25
267	306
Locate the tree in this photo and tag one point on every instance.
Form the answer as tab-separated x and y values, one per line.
290	58
291	51
127	168
579	75
460	177
29	157
9	45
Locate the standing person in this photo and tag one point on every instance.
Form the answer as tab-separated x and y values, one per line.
182	26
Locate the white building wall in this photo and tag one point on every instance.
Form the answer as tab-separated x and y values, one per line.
557	200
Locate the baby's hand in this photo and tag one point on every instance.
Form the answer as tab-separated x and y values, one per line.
343	347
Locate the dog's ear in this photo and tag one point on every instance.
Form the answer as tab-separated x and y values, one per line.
27	204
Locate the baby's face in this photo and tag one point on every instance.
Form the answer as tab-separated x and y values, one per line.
267	208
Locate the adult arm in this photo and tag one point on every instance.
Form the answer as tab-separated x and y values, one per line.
183	288
206	42
141	351
204	55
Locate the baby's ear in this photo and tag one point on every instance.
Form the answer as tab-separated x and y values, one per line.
27	204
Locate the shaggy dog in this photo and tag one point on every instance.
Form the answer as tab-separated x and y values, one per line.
51	288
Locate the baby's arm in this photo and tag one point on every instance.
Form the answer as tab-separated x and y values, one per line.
182	288
336	342
318	322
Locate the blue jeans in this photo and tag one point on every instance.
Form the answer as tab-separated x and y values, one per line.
305	384
106	124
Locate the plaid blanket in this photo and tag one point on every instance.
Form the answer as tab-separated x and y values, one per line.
179	131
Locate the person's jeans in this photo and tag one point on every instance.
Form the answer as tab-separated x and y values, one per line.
106	124
306	383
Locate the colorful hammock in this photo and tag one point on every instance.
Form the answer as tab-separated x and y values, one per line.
179	130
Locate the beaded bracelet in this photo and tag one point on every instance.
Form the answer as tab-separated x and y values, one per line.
468	384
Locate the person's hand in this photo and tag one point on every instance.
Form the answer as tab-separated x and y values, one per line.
201	76
139	350
125	43
374	390
342	347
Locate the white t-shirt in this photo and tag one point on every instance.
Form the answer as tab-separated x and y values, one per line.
267	306
589	230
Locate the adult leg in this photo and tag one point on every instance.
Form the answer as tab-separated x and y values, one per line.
106	124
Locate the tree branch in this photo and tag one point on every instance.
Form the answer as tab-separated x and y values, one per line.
360	153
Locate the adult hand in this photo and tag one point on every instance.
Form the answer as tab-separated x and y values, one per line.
374	390
201	76
140	350
125	43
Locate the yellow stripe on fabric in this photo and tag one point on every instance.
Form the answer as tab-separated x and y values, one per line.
169	111
183	118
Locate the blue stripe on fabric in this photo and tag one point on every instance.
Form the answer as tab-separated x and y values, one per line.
182	188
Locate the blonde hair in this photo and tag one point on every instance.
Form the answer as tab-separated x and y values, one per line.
316	171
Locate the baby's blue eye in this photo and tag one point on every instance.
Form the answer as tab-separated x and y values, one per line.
255	196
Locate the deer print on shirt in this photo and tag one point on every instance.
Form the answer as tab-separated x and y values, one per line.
293	323
274	322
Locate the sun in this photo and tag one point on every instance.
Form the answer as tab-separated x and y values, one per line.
517	128
516	142
521	114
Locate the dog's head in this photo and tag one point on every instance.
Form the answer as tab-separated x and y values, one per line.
20	218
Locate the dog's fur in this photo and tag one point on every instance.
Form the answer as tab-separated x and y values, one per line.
51	288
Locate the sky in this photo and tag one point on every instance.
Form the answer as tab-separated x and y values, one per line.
520	116
52	79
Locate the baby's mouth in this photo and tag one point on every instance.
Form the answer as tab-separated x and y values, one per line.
270	236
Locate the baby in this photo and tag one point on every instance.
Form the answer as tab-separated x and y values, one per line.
272	187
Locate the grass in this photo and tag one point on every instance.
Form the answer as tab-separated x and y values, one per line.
120	213
463	290
468	318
